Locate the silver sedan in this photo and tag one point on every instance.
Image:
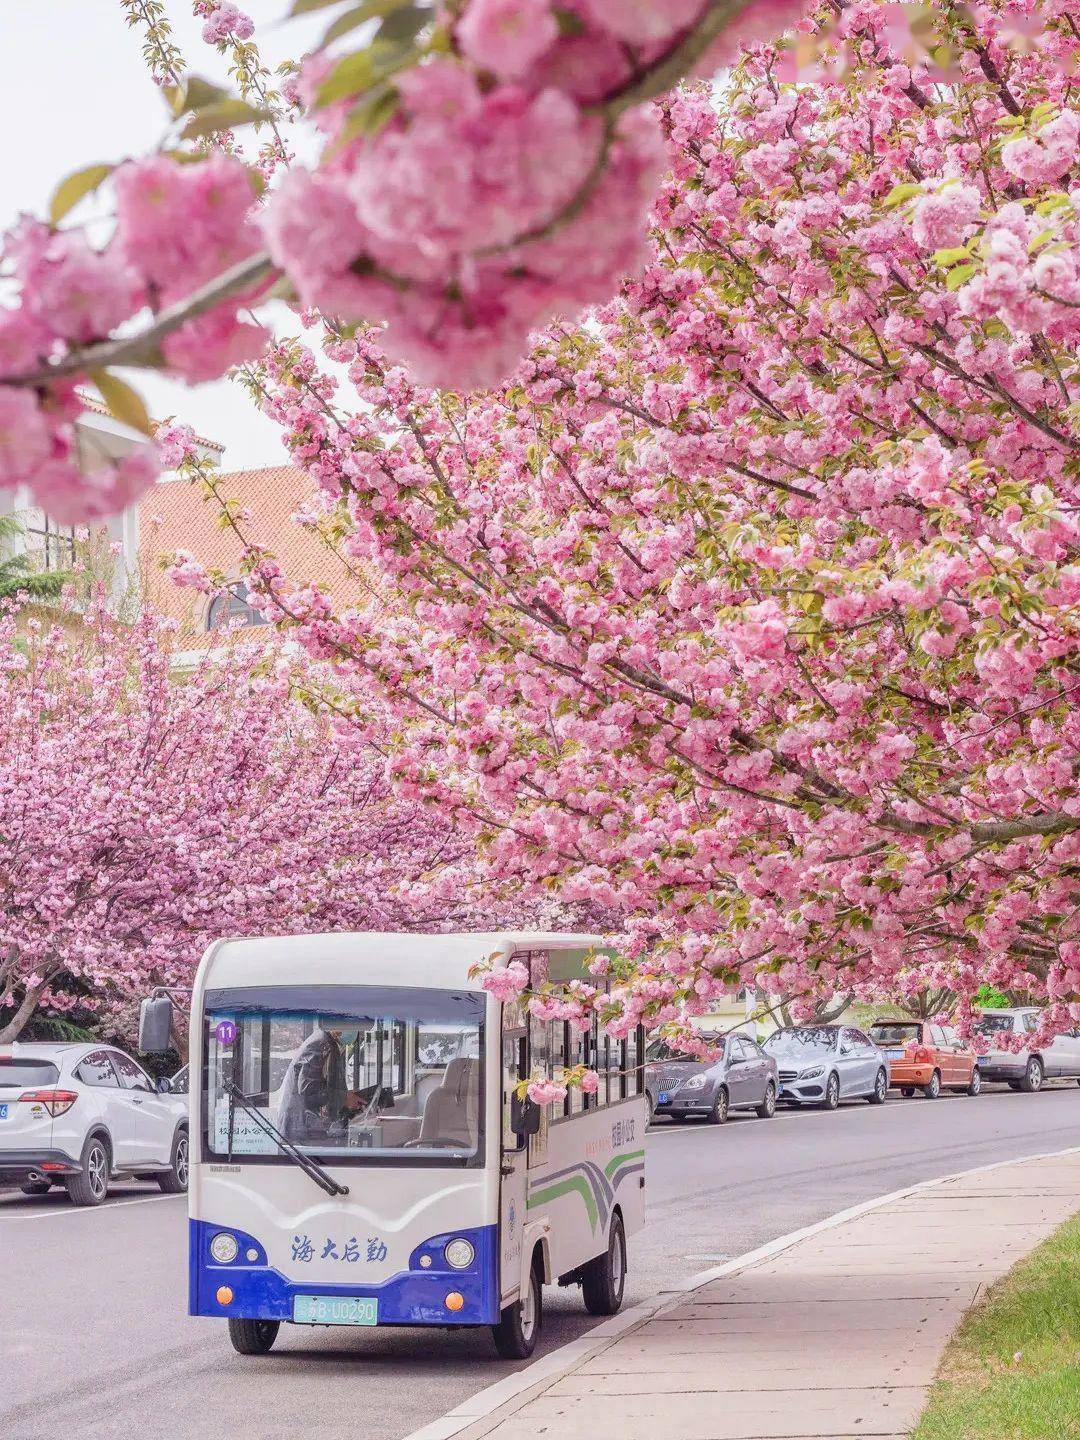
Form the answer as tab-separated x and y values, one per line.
824	1064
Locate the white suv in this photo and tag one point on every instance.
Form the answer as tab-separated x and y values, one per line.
1026	1069
78	1115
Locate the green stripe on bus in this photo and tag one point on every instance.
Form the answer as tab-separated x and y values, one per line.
564	1187
613	1165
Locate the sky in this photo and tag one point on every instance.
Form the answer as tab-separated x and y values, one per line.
75	90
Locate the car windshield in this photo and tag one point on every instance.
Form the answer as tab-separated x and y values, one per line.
893	1032
16	1074
661	1051
355	1073
803	1041
995	1025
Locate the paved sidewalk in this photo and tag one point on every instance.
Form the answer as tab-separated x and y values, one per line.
836	1336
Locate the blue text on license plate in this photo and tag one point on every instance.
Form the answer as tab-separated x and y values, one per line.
894	1054
3	1112
335	1310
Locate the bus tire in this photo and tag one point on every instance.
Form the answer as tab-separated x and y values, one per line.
252	1337
603	1280
520	1324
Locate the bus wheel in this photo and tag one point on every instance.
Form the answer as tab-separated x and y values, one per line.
604	1279
253	1337
519	1325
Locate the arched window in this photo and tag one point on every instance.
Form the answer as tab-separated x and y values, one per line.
227	609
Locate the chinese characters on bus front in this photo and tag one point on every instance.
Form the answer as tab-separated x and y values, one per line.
351	1251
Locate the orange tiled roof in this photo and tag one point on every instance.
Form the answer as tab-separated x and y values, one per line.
174	516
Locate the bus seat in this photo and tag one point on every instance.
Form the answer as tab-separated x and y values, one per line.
451	1110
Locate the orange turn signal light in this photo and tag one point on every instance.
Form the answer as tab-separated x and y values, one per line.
224	1295
454	1301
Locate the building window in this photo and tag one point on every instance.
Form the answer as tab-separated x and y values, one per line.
234	606
52	544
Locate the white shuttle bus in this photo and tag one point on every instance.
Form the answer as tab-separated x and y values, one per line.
358	1154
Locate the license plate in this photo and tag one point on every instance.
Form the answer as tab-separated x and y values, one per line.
894	1054
3	1112
335	1310
663	1098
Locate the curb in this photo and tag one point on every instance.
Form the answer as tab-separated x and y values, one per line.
535	1377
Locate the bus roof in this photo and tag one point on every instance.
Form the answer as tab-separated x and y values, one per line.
388	958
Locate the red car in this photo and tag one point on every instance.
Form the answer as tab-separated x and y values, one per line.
926	1056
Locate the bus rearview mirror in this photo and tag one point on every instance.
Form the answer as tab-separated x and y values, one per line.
155	1024
524	1116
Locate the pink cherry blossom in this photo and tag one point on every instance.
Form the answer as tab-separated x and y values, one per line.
507	37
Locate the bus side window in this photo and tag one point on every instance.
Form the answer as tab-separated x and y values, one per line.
559	1054
634	1052
514	1070
576	1054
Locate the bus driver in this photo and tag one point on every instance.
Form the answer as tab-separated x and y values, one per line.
314	1096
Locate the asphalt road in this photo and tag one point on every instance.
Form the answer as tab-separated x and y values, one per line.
94	1341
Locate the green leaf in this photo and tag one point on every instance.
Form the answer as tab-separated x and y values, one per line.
404	22
70	191
368	116
959	275
362	70
952	255
899	193
305	7
222	115
193	93
361	14
121	401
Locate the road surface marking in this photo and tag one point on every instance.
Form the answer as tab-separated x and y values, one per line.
118	1204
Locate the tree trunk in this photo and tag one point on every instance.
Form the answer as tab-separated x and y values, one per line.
17	1024
825	1011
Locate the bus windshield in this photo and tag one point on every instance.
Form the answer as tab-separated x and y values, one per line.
353	1074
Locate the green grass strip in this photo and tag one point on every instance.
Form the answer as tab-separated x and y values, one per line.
1012	1370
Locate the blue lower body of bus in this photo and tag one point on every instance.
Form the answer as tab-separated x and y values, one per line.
250	1288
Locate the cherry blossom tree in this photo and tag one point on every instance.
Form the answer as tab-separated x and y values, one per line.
484	166
143	814
748	611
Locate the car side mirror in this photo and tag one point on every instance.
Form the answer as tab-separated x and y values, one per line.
524	1116
164	1085
155	1024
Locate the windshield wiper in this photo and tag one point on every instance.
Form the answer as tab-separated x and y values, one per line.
310	1167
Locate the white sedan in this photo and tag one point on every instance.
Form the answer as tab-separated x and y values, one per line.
80	1115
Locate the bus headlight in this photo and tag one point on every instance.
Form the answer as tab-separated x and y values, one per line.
460	1254
223	1247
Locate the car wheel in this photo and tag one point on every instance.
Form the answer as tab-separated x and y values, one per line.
719	1112
880	1090
92	1186
1033	1076
1015	1085
35	1187
767	1109
933	1090
174	1181
253	1337
652	1108
604	1279
520	1323
907	1091
975	1083
832	1093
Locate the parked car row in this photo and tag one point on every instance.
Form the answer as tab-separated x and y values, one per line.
820	1065
80	1115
